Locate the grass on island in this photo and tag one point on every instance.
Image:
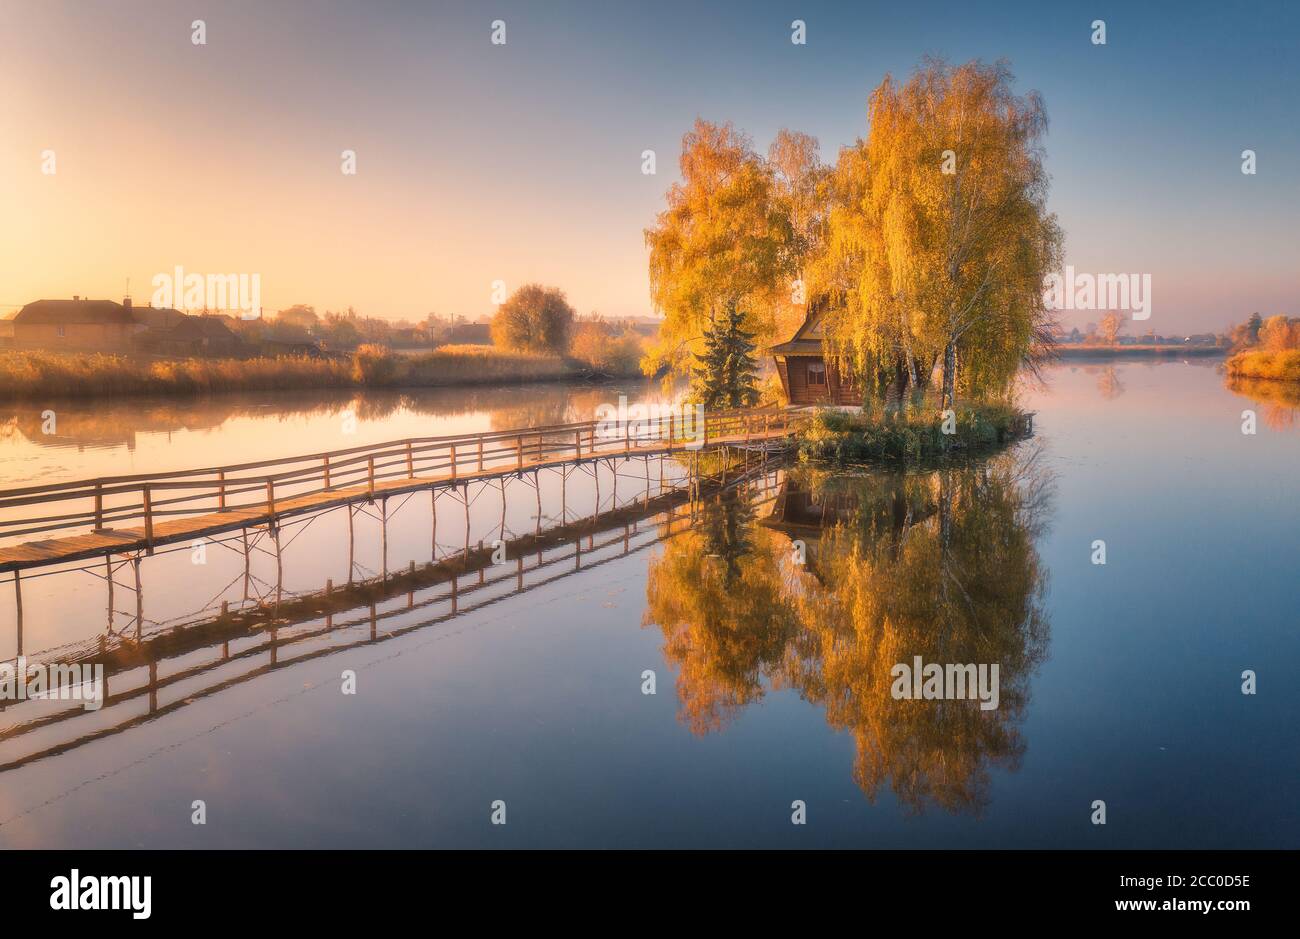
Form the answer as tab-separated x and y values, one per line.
908	436
1283	365
61	374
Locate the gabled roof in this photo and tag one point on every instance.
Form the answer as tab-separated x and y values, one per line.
156	317
65	312
199	327
807	339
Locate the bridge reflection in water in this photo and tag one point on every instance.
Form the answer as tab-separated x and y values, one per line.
154	668
770	577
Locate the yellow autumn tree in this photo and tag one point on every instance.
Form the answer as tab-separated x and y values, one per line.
939	240
726	237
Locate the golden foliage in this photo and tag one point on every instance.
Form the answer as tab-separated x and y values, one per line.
939	241
727	236
940	565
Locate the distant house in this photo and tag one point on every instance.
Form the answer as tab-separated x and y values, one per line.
808	375
195	335
78	324
275	348
158	319
469	334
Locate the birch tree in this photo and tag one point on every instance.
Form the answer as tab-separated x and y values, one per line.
941	239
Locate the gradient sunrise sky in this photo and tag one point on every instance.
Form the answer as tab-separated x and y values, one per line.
523	162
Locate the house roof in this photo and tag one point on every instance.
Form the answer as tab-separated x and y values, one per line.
807	339
158	317
199	327
798	347
65	312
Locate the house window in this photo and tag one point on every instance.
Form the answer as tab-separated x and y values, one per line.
62	332
816	373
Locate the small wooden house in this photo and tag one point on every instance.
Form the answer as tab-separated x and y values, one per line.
76	324
808	375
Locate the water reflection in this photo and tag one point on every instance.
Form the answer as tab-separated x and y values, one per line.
1109	383
116	423
1279	400
943	565
153	667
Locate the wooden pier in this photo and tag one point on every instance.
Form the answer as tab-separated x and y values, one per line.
136	513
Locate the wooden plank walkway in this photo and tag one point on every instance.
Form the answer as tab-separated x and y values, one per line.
748	428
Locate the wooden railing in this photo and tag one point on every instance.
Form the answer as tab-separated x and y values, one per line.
265	486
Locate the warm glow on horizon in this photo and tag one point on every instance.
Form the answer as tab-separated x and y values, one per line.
523	163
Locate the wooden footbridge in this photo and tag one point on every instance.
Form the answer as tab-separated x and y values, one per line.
134	514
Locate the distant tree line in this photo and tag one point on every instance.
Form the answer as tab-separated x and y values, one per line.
346	330
1275	334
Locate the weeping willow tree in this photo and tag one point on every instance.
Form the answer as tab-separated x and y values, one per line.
722	238
939	240
737	228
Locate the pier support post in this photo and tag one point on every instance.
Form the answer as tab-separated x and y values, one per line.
139	599
466	497
503	508
148	519
352	546
18	605
383	539
108	571
279	569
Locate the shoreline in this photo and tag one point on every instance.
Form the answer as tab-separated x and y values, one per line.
25	376
1276	365
1065	352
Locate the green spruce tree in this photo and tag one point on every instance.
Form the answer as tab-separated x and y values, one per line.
726	374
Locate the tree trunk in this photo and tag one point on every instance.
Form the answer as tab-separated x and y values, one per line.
949	376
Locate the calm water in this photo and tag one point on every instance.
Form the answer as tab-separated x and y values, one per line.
1119	682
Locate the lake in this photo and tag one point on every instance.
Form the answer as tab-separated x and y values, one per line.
767	619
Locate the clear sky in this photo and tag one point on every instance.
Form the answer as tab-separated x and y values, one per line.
522	162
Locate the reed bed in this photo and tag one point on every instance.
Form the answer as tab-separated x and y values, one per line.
36	374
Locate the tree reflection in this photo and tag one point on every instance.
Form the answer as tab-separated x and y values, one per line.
940	565
1279	400
719	593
